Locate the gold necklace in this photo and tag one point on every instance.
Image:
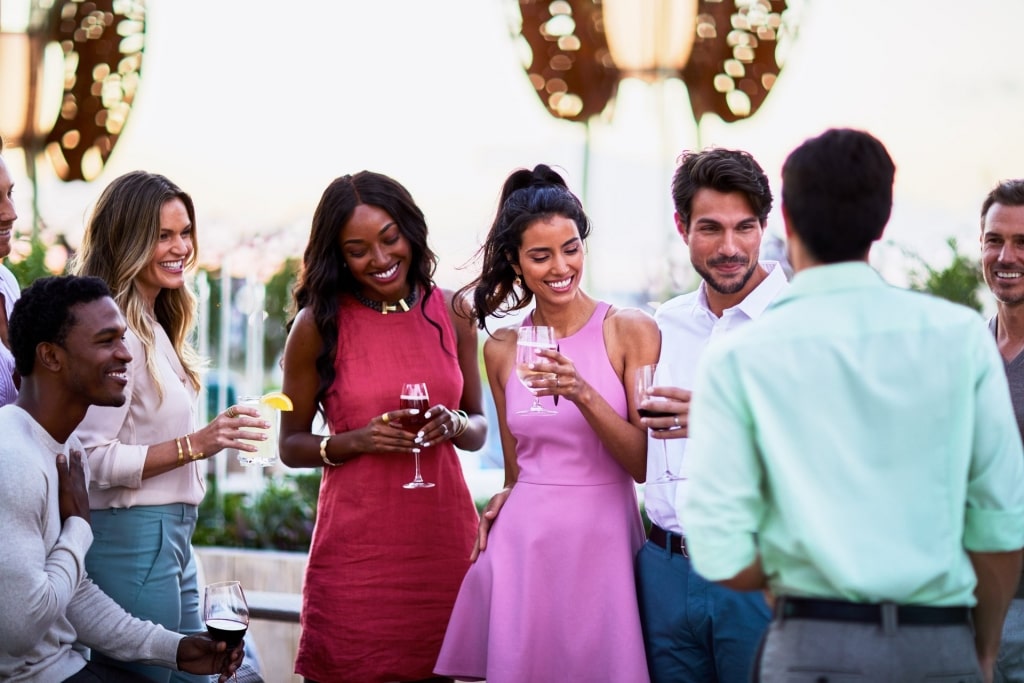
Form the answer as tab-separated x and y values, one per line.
382	307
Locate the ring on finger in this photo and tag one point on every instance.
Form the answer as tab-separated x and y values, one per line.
445	428
557	381
232	412
676	420
384	418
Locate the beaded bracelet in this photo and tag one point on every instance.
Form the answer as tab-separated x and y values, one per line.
323	452
198	455
181	453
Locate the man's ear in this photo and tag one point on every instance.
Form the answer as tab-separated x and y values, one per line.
50	356
681	228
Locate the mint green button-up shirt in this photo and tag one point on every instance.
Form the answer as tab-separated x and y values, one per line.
861	438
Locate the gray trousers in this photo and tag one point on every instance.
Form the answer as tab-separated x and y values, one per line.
1010	665
816	651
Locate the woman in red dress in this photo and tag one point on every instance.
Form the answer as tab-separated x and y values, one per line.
386	561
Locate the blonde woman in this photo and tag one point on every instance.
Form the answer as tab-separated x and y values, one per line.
146	478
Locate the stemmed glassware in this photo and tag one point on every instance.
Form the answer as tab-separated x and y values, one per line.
226	613
644	382
414	395
531	340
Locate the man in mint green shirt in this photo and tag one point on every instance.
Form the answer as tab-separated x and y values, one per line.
855	451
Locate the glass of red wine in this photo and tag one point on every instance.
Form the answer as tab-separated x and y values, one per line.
414	395
644	381
225	612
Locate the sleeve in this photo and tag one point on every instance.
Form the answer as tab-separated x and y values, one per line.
994	517
723	503
111	462
103	625
38	582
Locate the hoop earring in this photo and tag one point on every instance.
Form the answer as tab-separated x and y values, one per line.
517	282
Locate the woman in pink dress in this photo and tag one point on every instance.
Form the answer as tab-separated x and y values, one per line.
386	561
551	596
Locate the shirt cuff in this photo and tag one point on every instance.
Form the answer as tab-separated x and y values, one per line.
993	531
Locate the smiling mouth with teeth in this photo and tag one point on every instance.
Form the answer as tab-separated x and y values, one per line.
384	275
1003	275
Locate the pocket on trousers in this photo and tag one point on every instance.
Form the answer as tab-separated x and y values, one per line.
824	676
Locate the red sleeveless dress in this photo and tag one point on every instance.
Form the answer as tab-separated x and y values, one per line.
386	562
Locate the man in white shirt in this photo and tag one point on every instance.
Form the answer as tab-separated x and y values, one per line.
67	337
696	630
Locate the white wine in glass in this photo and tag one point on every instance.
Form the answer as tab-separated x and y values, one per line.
531	340
644	382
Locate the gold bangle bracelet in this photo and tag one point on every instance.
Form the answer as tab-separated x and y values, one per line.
323	451
181	453
198	455
463	423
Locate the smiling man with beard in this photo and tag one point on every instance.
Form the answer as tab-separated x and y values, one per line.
1002	261
695	630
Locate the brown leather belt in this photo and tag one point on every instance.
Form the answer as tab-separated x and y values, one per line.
666	539
868	613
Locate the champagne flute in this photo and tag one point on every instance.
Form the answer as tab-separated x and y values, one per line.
531	340
414	395
226	613
644	382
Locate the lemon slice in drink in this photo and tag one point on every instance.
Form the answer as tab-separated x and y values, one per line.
277	400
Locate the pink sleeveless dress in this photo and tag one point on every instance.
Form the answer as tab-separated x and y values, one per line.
386	562
553	598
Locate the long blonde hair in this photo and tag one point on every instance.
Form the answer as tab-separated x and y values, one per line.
120	239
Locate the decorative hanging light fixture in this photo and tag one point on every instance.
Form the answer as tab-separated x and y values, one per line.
725	51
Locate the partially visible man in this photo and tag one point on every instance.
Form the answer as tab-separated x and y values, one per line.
855	451
695	630
1002	261
67	336
8	285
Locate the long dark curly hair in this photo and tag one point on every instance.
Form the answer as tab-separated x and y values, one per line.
323	277
526	197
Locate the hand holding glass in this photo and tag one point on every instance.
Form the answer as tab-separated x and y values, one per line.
414	395
531	340
644	382
266	451
226	613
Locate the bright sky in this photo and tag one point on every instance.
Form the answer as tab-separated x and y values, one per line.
254	107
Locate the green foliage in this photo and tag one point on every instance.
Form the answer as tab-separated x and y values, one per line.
958	282
33	266
279	517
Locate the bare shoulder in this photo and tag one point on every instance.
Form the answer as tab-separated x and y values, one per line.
631	321
304	333
500	340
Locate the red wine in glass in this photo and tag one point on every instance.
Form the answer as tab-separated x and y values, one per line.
228	630
414	395
225	612
644	381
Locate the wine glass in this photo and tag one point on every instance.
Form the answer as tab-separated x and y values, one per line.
531	340
225	612
644	382
414	395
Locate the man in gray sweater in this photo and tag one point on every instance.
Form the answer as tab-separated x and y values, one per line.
67	338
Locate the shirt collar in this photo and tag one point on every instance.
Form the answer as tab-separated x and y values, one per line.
831	278
757	300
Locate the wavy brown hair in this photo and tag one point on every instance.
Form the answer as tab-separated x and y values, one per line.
120	239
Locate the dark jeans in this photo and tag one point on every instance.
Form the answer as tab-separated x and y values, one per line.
95	672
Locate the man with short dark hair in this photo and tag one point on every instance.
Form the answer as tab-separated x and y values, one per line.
1002	263
67	337
855	451
695	630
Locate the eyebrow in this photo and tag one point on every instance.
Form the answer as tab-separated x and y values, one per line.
563	245
386	227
